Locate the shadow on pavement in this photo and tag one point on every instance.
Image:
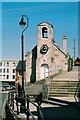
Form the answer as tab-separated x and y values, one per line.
61	112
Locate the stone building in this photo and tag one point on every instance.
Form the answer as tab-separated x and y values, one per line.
19	73
46	58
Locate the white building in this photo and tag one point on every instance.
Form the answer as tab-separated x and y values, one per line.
8	70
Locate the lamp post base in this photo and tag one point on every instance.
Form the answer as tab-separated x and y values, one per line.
23	103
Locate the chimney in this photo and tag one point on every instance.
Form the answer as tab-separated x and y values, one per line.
65	44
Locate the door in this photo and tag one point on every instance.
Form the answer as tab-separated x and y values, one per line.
44	71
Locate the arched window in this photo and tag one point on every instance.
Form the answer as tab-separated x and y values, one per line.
44	71
44	32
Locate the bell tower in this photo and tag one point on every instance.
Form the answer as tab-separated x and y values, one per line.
44	47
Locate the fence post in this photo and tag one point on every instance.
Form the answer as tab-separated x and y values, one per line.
38	107
12	100
17	105
8	97
27	107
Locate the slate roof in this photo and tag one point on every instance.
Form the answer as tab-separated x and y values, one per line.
19	66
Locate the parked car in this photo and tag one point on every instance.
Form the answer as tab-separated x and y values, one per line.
3	89
77	63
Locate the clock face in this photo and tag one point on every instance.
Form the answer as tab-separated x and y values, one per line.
44	49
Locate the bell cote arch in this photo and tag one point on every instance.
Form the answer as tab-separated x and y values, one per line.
44	32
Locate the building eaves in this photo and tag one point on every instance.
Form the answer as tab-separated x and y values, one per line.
59	49
19	66
44	23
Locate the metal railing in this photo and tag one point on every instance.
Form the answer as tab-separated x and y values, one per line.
14	101
77	92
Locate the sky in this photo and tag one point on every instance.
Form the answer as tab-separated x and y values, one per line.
39	0
62	15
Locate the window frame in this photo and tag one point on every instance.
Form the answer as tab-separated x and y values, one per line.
44	32
0	63
0	70
7	76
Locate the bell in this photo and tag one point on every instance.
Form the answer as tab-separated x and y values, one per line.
22	22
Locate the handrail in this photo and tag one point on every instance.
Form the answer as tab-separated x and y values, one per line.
77	90
2	118
13	99
32	102
31	114
10	102
41	115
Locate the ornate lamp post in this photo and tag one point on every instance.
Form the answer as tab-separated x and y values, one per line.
25	25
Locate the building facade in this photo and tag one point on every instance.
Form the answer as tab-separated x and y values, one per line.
7	70
46	58
18	79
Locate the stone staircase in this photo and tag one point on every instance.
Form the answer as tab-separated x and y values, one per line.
65	84
62	88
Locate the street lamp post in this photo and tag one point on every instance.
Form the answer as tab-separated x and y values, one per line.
22	23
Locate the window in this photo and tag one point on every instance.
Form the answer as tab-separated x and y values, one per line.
0	70
7	70
0	76
13	76
3	76
4	70
14	64
7	64
0	63
44	32
13	70
52	59
7	76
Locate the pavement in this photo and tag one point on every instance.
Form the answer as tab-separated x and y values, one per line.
55	111
71	75
61	112
62	107
65	110
69	99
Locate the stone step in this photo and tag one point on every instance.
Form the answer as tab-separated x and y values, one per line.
59	91
65	82
61	95
62	88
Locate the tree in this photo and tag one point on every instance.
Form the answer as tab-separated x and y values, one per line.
77	59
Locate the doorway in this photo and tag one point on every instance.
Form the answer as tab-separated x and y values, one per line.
44	71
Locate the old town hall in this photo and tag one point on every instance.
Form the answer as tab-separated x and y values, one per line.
46	58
